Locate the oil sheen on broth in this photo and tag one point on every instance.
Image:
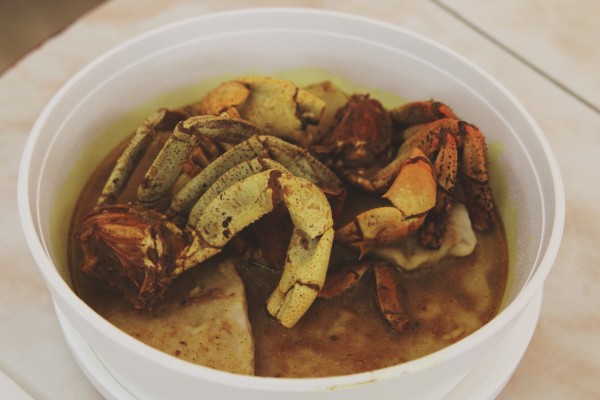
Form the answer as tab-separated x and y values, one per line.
343	335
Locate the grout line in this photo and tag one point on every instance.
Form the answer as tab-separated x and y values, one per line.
517	56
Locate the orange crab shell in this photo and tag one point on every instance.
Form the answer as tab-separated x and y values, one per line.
362	133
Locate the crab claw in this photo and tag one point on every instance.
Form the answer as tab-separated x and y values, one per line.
131	249
161	120
169	163
249	199
412	194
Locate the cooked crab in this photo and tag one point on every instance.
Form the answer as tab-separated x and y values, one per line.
139	251
371	147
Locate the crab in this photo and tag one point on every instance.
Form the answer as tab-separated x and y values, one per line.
401	153
139	251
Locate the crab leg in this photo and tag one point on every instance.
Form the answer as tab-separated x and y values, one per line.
245	202
391	297
442	139
161	120
478	194
233	175
427	137
168	165
184	199
296	159
344	279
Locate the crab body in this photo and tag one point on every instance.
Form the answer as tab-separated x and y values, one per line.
361	134
132	249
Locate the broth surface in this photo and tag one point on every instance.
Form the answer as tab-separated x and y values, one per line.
343	335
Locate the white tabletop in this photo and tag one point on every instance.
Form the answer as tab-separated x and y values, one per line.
545	52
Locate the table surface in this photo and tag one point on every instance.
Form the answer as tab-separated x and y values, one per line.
544	52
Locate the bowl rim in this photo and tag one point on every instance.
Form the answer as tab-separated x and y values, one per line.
67	296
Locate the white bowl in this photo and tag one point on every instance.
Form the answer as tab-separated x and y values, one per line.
382	57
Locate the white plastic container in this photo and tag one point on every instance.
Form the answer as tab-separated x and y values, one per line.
526	182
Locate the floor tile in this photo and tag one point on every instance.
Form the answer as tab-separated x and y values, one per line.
557	38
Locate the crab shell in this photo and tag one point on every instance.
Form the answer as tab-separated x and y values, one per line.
277	106
131	249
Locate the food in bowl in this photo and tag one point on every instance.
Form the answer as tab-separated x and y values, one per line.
332	233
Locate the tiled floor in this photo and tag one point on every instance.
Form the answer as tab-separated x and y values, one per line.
543	51
560	43
25	24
